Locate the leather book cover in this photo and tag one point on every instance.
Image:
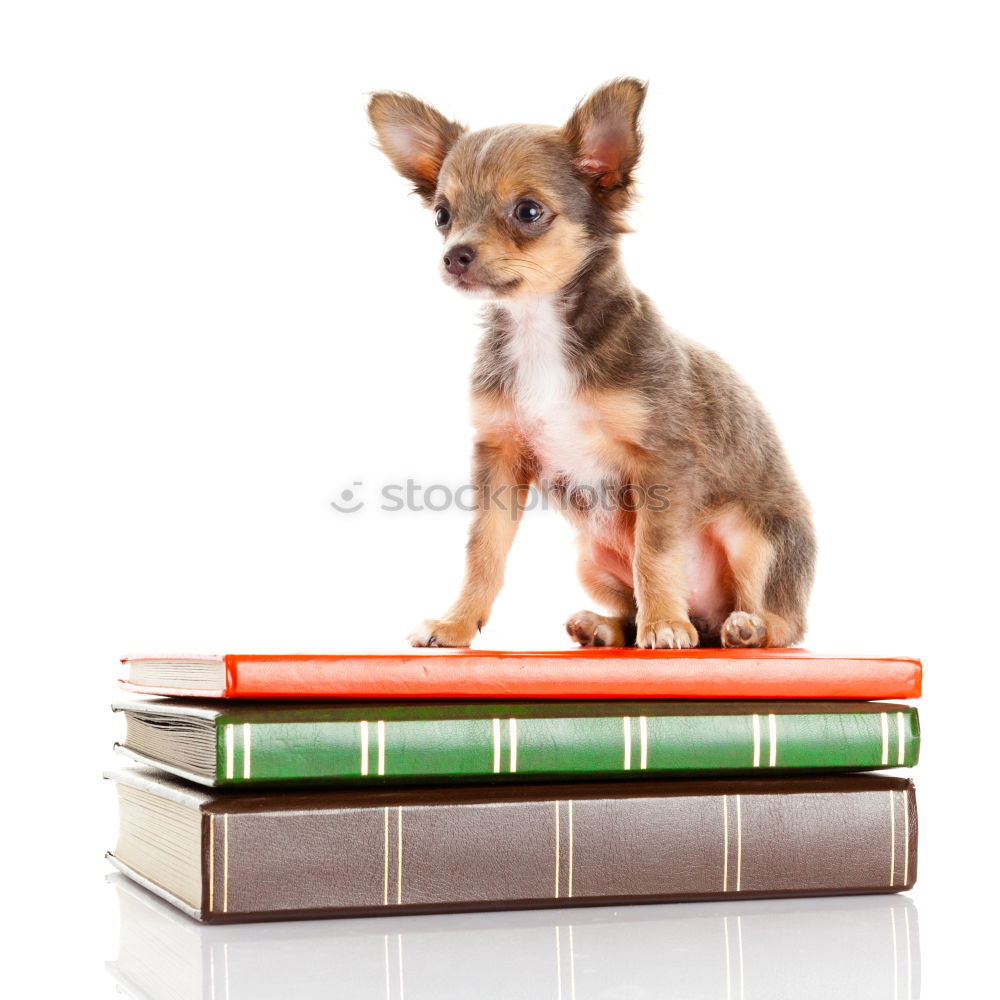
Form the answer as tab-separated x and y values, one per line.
572	674
298	854
376	742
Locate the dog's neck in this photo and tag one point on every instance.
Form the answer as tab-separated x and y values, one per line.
584	312
583	335
535	349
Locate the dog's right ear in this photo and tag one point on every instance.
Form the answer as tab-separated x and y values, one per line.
414	136
604	134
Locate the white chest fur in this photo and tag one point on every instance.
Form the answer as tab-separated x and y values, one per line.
560	428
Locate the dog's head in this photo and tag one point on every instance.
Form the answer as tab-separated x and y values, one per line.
521	208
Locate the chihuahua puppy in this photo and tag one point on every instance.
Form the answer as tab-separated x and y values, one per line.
691	525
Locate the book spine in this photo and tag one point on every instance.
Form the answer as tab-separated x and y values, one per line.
505	854
581	674
370	750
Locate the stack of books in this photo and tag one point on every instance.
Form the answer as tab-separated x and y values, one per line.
301	786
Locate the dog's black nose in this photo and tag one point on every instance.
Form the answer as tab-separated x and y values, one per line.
459	259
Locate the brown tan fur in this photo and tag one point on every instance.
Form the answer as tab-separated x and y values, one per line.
579	387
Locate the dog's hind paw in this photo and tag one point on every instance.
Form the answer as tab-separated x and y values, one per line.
743	630
590	629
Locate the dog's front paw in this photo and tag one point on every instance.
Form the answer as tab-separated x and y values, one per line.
743	630
443	632
666	634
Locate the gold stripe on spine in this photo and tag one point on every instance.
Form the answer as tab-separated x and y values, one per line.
892	839
513	745
725	843
772	734
569	873
885	737
211	862
399	854
385	857
496	746
380	729
557	851
643	743
225	863
246	751
906	837
364	749
627	738
756	741
739	844
901	749
229	752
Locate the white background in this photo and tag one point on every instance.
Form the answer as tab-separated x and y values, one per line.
220	308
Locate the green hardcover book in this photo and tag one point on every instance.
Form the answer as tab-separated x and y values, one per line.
381	742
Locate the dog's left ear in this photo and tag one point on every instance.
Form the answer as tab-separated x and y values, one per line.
604	133
415	137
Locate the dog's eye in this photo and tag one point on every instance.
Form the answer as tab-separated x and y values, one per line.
527	211
442	217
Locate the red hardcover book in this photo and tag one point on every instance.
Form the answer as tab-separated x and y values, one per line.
573	674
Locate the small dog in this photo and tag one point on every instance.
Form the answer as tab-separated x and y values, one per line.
581	387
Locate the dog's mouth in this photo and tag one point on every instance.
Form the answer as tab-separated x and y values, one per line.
482	286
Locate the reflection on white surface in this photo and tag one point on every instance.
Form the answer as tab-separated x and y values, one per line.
809	949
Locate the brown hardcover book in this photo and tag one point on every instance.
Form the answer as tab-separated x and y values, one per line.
238	855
